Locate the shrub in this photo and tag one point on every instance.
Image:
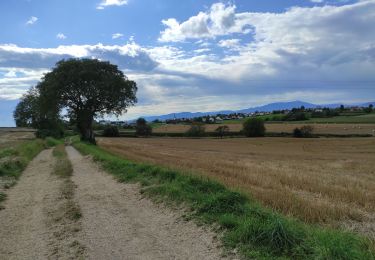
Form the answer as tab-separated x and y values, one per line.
44	133
295	116
254	127
222	130
303	132
111	131
196	130
142	128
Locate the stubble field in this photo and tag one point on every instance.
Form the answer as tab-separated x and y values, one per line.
12	136
328	181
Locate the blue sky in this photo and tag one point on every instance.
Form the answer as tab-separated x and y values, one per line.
197	55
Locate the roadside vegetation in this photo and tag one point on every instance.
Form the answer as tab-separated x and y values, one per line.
14	160
66	213
256	231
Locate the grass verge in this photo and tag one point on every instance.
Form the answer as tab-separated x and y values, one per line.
64	169
257	232
15	159
65	212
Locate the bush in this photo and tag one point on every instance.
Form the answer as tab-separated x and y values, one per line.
303	132
196	130
142	128
44	133
295	116
111	131
222	130
254	127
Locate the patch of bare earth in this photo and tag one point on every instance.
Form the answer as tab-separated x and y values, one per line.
118	223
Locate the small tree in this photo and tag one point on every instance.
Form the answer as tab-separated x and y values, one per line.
254	127
303	132
142	128
196	130
222	130
369	109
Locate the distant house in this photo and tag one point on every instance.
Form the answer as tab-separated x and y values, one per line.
218	119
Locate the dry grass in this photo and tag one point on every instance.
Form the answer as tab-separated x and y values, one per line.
10	137
327	181
343	129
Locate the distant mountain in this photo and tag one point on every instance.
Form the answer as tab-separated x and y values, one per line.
367	104
266	108
278	106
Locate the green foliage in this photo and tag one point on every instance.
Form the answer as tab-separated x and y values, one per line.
51	142
142	128
8	152
296	116
369	109
63	166
111	131
27	112
196	130
2	196
15	160
303	132
56	132
86	88
254	127
259	233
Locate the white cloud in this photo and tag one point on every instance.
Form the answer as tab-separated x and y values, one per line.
32	20
230	43
16	81
61	36
106	3
317	1
129	56
202	50
323	53
117	35
219	20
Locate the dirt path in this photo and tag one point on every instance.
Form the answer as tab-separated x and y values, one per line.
118	223
23	230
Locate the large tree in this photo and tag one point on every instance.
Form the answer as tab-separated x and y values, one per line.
87	88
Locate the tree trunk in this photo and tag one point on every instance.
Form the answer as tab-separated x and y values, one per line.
85	128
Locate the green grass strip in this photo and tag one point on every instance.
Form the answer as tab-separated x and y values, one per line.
14	160
63	166
259	233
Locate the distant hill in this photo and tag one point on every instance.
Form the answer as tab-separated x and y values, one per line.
266	108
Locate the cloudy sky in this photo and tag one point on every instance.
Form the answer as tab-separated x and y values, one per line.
197	55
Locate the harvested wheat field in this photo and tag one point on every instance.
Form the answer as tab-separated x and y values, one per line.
10	136
329	181
338	129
